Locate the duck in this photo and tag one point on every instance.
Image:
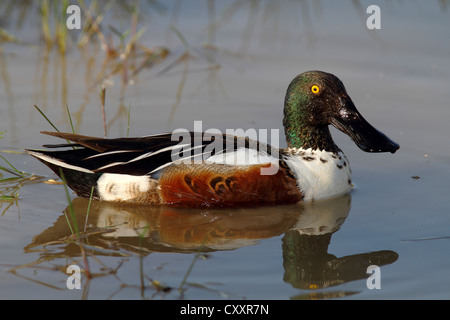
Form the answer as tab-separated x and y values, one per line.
184	170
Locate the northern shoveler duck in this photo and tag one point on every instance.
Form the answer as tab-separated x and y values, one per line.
143	170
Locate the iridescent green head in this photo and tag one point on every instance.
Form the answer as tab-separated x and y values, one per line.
316	99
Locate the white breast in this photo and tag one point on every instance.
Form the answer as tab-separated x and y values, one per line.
320	174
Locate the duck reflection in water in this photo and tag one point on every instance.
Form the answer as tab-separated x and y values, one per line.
113	229
306	260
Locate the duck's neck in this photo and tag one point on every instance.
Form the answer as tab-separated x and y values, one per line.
305	138
302	136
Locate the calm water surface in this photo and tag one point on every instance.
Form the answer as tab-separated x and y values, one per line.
242	56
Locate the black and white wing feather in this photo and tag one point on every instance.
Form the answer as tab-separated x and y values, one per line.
146	155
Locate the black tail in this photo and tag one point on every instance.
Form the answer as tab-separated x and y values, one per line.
79	179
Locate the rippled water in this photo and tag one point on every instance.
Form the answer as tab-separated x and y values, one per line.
242	55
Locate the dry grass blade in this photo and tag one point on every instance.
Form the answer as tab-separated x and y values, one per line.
102	99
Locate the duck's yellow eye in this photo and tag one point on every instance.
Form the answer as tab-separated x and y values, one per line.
315	89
